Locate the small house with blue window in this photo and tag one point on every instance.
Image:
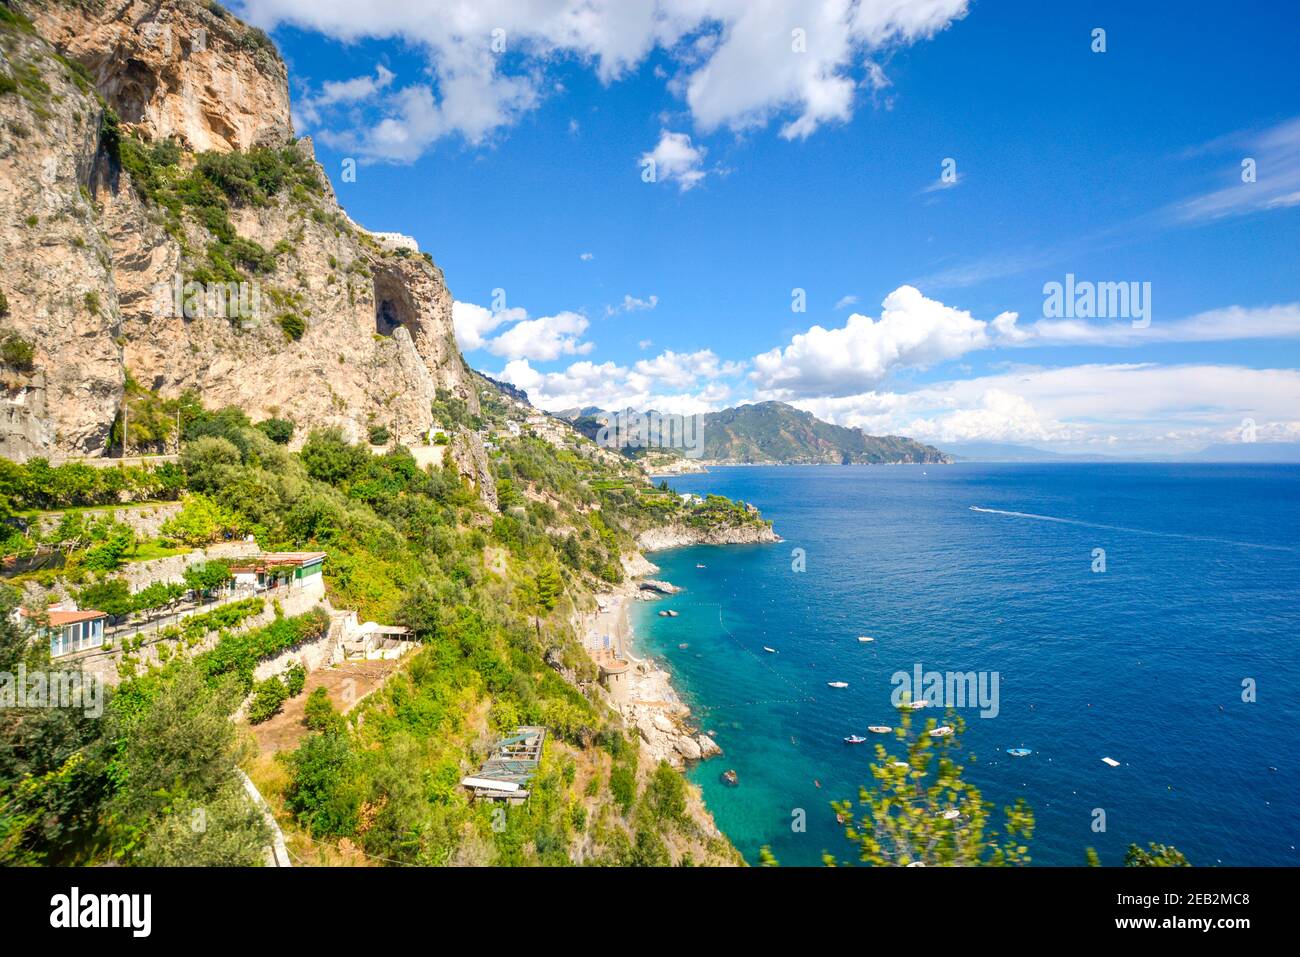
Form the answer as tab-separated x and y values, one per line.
73	631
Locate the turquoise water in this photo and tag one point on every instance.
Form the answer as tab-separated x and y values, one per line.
1143	662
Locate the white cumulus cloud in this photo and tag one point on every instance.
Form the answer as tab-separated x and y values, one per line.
473	323
736	63
912	332
675	160
543	339
1136	407
682	383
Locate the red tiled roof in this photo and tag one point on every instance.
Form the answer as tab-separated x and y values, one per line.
276	560
72	617
290	558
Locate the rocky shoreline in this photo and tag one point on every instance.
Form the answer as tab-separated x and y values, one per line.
648	702
651	705
679	535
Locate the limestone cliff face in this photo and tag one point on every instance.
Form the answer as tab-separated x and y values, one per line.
56	271
94	273
175	68
472	464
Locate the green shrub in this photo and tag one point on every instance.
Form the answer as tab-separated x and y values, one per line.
17	351
200	521
665	795
279	431
208	576
112	596
331	458
379	435
238	654
322	793
256	39
268	699
318	713
110	134
228	616
622	784
292	324
295	679
157	595
110	553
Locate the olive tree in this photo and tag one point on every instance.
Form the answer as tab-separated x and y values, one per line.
922	812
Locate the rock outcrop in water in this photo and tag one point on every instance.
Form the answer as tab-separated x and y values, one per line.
678	535
346	328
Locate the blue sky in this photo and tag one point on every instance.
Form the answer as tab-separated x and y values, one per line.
511	139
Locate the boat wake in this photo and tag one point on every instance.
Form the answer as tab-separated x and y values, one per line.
1134	531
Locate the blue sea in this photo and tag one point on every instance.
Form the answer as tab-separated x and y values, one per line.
1143	662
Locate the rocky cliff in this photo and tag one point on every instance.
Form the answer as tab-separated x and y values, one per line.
158	218
680	534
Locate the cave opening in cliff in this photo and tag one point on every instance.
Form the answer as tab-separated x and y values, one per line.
393	306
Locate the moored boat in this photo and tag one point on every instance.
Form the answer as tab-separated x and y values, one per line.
837	684
854	739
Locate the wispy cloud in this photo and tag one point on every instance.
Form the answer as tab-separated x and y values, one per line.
1261	173
1216	325
1275	154
309	108
941	184
633	304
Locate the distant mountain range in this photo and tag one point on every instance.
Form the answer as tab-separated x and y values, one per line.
1009	452
1256	452
1272	452
774	432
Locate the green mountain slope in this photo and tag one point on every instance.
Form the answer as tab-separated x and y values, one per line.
780	433
776	432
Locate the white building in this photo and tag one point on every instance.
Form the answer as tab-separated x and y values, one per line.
72	631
